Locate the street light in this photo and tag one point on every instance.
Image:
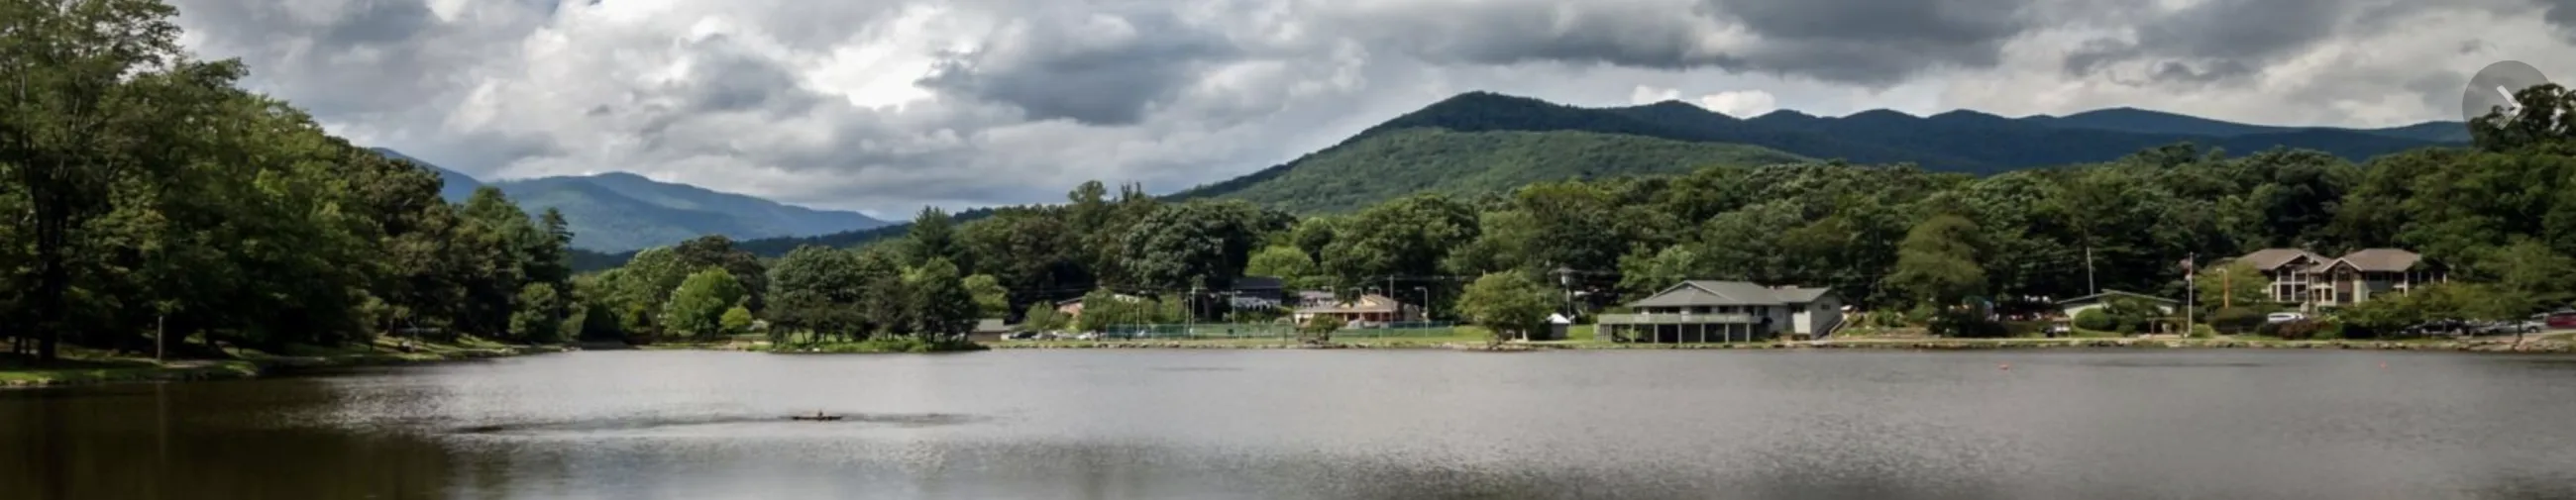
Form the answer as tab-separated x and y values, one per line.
1565	279
1426	303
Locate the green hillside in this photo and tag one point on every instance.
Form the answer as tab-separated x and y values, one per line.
1391	164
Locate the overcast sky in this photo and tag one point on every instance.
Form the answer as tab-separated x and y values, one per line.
886	106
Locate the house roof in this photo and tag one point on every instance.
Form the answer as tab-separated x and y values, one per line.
1078	300
2106	294
2377	260
1370	303
2273	258
1242	283
1728	293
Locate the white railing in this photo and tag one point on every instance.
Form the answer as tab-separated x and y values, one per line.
1672	319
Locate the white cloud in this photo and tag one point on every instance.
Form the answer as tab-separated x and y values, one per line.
888	105
1651	95
1740	103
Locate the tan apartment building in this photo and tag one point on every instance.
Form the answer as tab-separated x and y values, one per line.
2310	280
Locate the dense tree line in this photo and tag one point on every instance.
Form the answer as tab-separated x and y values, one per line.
1883	236
142	190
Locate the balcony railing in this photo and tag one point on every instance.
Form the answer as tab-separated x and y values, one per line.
1675	319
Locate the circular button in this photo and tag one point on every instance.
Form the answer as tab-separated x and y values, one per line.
2492	89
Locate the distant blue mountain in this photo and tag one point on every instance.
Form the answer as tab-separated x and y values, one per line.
453	185
2146	121
618	211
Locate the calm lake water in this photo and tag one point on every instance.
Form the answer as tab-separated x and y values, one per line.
2093	425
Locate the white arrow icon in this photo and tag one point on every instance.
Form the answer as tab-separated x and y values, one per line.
2512	107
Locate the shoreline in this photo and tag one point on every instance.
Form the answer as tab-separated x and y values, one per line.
2531	346
262	365
132	370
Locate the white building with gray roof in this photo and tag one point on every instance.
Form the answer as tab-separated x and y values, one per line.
1725	311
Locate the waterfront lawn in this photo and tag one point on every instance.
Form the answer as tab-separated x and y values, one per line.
888	344
89	366
1347	338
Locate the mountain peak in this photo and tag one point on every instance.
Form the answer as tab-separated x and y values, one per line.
1488	98
1881	114
621	175
1786	116
1675	112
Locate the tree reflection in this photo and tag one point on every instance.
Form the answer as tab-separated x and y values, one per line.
204	441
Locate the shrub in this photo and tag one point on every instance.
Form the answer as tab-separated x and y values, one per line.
1919	315
1966	324
2097	320
1318	329
2236	320
2203	331
2290	330
2026	328
1884	319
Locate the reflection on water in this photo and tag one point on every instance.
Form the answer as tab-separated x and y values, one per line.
779	423
1328	425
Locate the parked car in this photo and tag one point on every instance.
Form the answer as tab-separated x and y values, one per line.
2442	327
2283	317
2561	319
2495	327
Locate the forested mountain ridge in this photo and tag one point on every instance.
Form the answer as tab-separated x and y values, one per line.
1394	164
620	212
1956	141
1331	179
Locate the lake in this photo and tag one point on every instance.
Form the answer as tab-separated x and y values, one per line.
1108	424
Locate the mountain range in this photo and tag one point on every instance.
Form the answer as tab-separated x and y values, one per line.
620	212
1957	141
1483	142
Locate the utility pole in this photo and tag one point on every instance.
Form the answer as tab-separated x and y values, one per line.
2226	289
1426	302
2089	287
1190	312
2190	285
1565	280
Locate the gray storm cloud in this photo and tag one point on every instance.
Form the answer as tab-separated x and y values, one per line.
890	105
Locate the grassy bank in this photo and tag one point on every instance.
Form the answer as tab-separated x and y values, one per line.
81	367
881	345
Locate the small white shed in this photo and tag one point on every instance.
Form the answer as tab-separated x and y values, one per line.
1557	324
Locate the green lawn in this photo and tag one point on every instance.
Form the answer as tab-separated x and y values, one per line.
85	366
